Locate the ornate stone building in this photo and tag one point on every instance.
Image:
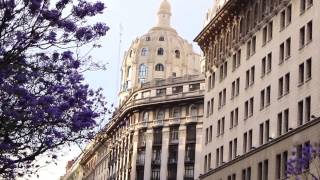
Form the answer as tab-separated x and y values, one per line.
156	132
262	87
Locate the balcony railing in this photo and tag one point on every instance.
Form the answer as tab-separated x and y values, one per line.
175	120
157	123
191	119
142	124
156	162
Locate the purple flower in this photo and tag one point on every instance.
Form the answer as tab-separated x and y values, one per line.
84	34
21	36
68	25
62	3
67	55
35	5
51	37
76	64
100	29
99	6
51	15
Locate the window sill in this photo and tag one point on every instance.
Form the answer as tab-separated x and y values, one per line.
281	62
308	42
287	57
301	47
286	93
300	84
302	12
308	79
280	96
269	71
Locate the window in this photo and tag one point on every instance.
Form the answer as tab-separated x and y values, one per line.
309	32
159	67
284	85
161	92
270	30
177	53
264	35
263	66
236	60
144	51
282	19
251	105
304	111
235	147
301	73
262	99
161	38
269	62
289	14
281	53
264	131
245	142
160	51
250	76
268	96
176	112
248	49
288	48
213	79
302	6
160	115
148	38
246	174
174	134
177	89
302	37
146	116
143	70
189	171
254	43
281	165
287	83
308	69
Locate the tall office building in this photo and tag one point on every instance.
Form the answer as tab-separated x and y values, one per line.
262	87
156	132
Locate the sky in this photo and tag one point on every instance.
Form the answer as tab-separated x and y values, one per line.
136	18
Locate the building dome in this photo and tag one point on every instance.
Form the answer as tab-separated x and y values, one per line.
165	7
159	54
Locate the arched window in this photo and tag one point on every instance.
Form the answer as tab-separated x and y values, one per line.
129	70
148	38
193	110
160	115
159	67
161	38
144	51
143	70
131	52
160	51
176	112
177	52
145	116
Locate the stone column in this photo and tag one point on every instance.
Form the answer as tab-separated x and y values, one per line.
164	153
148	155
198	165
181	152
134	155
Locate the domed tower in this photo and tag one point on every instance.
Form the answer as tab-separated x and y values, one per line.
159	54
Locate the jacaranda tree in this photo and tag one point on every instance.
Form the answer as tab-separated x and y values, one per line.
44	102
305	163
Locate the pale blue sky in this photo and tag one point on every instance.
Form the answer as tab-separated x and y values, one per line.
136	17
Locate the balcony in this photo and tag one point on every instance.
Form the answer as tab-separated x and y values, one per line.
142	125
140	161
174	121
157	123
191	119
156	162
172	161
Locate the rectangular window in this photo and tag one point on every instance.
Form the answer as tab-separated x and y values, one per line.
261	134
260	171
264	36
251	106
254	42
262	98
221	154
287	83
221	72
265	169
246	110
248	49
236	116
302	37
238	86
267	131
234	62
210	134
269	62
238	57
301	73
279	124
278	166
235	147
309	32
230	150
289	14
217	157
302	6
245	142
231	119
263	66
208	108
284	164
270	30
282	19
224	97
286	121
247	78
281	53
308	109
300	113
218	128
213	80
280	87
252	75
250	140
308	69
207	135
288	47
222	125
268	96
225	66
211	106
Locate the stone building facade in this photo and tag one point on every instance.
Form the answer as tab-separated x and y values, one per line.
156	132
262	86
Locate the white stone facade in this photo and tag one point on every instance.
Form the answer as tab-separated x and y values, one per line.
261	85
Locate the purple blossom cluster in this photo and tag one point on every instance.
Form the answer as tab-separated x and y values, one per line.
300	162
45	103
